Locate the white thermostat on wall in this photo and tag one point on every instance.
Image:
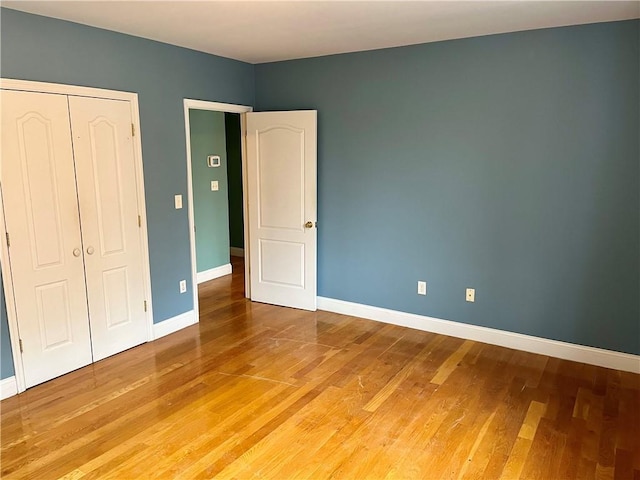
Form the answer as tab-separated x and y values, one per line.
213	160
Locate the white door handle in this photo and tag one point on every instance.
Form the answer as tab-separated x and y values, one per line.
90	250
76	252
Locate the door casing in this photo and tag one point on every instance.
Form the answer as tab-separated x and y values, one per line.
190	104
132	98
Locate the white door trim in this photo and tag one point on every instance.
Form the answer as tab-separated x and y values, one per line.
215	107
12	316
61	89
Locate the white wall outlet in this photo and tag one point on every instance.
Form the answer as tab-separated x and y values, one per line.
471	295
183	286
422	288
214	186
178	201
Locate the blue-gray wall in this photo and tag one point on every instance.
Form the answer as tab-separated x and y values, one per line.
210	209
507	163
6	358
45	49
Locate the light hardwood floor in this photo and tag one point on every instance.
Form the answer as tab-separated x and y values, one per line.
257	391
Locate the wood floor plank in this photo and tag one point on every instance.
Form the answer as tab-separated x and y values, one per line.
256	390
451	363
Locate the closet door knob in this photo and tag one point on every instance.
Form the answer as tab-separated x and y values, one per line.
90	250
76	252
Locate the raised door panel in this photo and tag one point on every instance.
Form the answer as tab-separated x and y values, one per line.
281	174
107	191
280	154
281	263
41	214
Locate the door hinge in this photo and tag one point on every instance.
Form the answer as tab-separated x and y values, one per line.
145	305
133	130
8	241
21	349
139	221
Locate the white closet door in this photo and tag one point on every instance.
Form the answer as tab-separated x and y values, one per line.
41	214
107	193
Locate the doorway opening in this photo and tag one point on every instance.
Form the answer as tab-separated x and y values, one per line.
216	181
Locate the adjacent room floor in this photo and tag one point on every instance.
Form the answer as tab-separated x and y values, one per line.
258	391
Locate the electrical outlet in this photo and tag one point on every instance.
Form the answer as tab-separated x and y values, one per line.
471	295
183	286
422	288
214	186
177	199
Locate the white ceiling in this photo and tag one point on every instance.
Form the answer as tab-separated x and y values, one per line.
268	30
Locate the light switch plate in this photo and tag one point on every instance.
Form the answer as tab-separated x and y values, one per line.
178	201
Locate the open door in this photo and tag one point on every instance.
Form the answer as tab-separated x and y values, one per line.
281	185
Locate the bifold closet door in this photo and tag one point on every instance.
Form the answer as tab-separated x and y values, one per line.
41	215
107	194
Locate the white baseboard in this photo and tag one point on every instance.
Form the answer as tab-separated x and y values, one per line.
212	273
8	387
174	324
237	252
527	343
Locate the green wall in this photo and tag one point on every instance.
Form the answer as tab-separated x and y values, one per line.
210	208
234	173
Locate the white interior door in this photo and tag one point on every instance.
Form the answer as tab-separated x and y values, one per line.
281	180
107	193
41	215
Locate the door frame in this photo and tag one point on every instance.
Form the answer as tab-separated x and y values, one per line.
190	104
78	91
